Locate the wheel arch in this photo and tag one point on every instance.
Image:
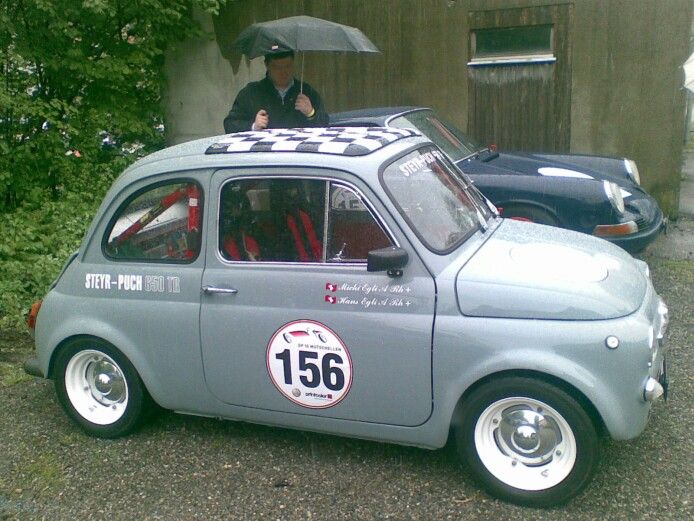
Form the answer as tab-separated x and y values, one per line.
565	386
65	342
69	340
535	205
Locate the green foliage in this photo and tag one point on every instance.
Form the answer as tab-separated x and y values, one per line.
75	73
12	374
80	99
37	239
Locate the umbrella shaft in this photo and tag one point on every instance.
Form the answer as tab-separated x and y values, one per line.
301	86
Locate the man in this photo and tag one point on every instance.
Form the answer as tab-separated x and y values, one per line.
276	101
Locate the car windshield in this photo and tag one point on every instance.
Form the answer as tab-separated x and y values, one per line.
433	197
444	135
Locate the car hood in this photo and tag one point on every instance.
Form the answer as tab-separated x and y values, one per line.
531	271
548	165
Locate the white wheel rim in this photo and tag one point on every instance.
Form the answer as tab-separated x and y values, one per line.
525	443
96	387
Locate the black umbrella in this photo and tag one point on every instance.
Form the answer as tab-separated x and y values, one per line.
301	33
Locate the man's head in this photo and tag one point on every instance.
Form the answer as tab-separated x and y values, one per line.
280	68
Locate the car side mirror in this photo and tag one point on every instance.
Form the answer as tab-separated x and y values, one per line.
391	259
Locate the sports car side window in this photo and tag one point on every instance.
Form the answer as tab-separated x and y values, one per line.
292	220
161	223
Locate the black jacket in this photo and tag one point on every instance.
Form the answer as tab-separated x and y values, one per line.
263	95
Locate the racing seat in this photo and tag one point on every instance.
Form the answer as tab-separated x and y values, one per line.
243	247
299	240
300	225
239	234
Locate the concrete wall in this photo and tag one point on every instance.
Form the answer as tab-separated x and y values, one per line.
202	85
689	138
626	96
627	87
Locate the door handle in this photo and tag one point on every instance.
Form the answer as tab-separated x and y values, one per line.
211	290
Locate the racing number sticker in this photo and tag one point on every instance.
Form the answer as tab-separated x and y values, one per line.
309	364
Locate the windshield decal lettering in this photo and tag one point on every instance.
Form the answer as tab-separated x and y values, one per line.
420	162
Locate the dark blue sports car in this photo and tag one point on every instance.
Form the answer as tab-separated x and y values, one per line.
591	194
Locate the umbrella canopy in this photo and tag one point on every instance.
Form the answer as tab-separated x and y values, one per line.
689	73
301	33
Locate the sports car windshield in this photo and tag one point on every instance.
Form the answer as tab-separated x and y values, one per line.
445	136
433	198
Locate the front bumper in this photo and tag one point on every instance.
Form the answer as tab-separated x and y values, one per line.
654	388
657	383
636	242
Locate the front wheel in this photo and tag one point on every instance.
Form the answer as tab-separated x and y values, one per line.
99	388
527	441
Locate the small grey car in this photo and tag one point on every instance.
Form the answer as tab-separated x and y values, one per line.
353	281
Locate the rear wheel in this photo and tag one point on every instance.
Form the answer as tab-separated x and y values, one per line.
527	441
99	388
530	213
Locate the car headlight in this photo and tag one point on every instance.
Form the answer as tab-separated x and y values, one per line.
632	170
614	194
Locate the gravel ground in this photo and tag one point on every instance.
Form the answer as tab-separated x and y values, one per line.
184	468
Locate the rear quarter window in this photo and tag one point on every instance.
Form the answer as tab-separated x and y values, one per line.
160	223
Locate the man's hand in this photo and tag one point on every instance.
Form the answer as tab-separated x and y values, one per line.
303	105
261	120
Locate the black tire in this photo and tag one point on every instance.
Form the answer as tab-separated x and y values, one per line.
530	213
99	388
494	430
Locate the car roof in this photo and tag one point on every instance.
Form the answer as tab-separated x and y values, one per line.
319	147
370	116
345	141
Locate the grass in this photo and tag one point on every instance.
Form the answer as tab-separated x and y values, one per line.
673	277
45	472
681	270
12	374
15	347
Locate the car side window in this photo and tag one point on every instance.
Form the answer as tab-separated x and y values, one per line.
292	220
161	223
353	230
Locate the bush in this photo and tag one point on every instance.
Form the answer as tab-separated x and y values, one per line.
40	235
81	98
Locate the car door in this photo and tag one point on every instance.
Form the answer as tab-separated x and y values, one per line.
292	321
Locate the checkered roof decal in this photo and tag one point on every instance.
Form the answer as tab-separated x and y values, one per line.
345	141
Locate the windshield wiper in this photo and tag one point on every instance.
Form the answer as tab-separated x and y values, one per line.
475	154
